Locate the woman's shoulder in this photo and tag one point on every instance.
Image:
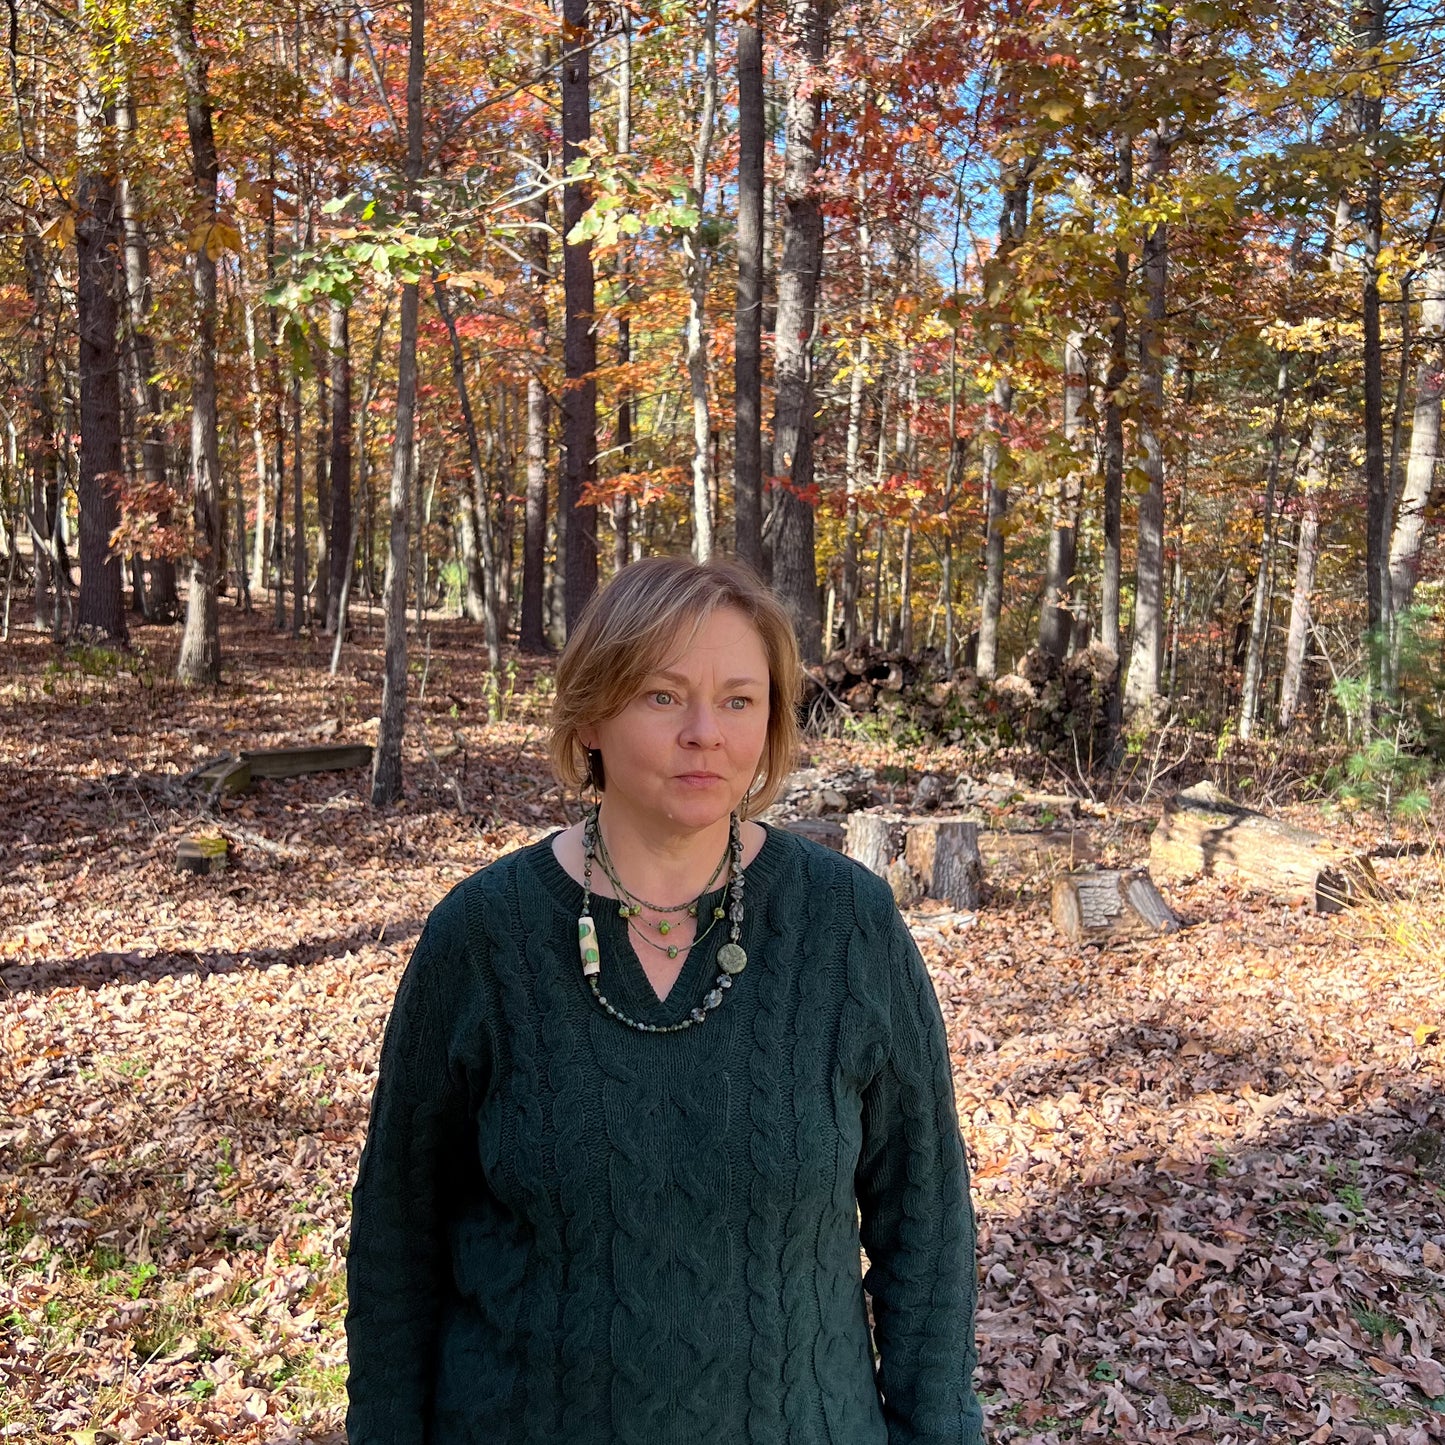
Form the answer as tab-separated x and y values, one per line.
828	869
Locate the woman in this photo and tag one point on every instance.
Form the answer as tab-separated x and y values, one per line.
647	1085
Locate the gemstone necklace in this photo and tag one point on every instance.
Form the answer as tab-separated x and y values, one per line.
732	958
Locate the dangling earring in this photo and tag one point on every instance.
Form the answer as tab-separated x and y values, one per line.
595	773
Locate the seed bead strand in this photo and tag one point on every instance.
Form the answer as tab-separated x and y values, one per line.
633	904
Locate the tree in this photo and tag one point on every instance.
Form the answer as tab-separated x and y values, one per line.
577	518
200	654
386	772
748	343
794	569
98	283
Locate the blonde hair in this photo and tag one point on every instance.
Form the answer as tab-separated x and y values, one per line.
631	627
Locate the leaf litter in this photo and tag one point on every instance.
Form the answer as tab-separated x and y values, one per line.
1210	1169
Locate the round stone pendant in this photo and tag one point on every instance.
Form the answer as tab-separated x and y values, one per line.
732	958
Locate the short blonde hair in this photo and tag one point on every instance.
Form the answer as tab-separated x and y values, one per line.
628	631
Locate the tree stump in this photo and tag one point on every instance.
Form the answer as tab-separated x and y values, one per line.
1203	834
202	855
1110	904
869	839
937	857
944	855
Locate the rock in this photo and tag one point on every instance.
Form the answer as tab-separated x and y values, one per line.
929	794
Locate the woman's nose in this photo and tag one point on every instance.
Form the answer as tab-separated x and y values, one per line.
700	728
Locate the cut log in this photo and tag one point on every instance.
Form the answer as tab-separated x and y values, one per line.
869	839
939	854
1203	834
294	762
944	855
1110	904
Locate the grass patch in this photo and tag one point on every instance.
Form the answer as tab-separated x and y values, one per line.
1374	1408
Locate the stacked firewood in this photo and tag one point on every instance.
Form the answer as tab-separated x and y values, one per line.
1057	705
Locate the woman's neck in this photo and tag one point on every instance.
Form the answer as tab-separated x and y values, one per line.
666	868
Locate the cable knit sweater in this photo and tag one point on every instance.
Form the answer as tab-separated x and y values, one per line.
568	1231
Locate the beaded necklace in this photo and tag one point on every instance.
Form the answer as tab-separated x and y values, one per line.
732	958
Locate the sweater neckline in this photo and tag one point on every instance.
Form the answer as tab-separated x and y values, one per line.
629	980
566	893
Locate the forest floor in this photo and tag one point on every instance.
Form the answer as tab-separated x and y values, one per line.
1210	1169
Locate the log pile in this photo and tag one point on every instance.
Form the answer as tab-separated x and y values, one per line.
1204	834
1060	706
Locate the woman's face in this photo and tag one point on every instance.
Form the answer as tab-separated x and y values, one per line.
685	750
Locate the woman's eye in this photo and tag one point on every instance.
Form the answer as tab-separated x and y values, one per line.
663	699
740	704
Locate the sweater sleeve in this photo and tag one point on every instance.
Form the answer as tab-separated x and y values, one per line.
917	1220
397	1266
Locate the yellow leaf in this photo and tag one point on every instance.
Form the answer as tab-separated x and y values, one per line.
213	237
61	229
1424	1033
1057	111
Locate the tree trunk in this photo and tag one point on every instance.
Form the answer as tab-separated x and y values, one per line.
475	511
748	345
857	389
161	601
1114	382
98	282
342	549
794	570
996	515
1409	529
1254	652
200	656
1012	222
1147	650
622	502
321	464
695	267
579	346
40	441
1317	473
386	775
533	636
1056	619
299	599
1377	523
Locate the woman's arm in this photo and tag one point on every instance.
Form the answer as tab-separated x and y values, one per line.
397	1266
917	1221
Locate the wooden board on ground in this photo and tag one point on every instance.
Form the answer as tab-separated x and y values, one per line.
228	776
1109	905
294	762
1203	834
930	857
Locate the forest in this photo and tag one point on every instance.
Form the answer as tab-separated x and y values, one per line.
1071	369
982	331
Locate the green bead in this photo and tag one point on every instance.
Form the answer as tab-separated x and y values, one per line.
719	911
732	958
672	951
664	927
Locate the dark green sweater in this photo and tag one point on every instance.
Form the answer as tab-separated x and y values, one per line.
568	1231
